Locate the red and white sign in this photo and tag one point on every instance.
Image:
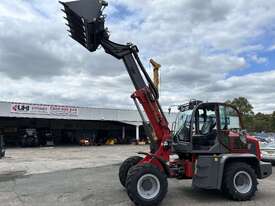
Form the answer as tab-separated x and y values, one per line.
55	110
29	108
63	111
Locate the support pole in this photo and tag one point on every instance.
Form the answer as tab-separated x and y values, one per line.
137	132
123	133
2	149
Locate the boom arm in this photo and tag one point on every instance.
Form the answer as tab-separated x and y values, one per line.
146	92
86	24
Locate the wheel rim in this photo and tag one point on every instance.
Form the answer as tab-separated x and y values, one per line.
148	186
242	182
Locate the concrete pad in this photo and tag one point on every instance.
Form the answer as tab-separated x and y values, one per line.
49	159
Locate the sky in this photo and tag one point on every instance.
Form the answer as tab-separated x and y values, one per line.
209	50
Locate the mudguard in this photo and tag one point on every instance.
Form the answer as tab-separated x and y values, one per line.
262	170
206	172
209	169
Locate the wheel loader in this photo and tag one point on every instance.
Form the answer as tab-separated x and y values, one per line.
208	139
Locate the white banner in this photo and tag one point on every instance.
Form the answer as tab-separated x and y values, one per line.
22	108
63	111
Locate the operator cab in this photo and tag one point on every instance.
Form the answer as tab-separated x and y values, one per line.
202	126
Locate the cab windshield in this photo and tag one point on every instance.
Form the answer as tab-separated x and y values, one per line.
182	122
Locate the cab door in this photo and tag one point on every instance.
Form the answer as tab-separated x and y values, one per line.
230	130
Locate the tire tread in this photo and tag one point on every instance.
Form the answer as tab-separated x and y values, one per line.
126	165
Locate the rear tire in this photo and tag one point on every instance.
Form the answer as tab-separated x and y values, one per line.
125	166
239	181
146	185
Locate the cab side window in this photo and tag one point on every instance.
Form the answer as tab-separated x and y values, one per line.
229	118
207	121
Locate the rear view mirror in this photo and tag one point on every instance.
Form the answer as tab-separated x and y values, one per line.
86	21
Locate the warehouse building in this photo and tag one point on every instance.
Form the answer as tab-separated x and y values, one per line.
40	124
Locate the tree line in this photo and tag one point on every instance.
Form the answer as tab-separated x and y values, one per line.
258	122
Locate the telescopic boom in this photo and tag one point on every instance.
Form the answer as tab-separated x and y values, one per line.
86	24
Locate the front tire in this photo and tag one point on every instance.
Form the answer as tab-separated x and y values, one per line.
240	181
125	166
146	185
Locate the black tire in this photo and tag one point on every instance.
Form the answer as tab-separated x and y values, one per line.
42	141
29	141
230	189
135	174
2	154
36	142
125	166
23	142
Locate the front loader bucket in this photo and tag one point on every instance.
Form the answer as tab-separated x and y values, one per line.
86	22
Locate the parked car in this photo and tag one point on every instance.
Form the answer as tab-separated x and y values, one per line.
268	152
263	139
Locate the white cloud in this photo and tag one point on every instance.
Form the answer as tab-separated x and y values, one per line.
271	48
258	60
198	43
257	87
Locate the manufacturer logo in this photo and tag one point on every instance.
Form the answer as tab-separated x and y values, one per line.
21	108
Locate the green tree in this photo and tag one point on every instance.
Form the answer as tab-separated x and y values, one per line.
262	122
273	121
243	105
253	122
246	110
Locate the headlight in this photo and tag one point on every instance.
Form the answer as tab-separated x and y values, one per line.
264	152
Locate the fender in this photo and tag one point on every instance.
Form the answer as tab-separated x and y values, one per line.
160	160
227	158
